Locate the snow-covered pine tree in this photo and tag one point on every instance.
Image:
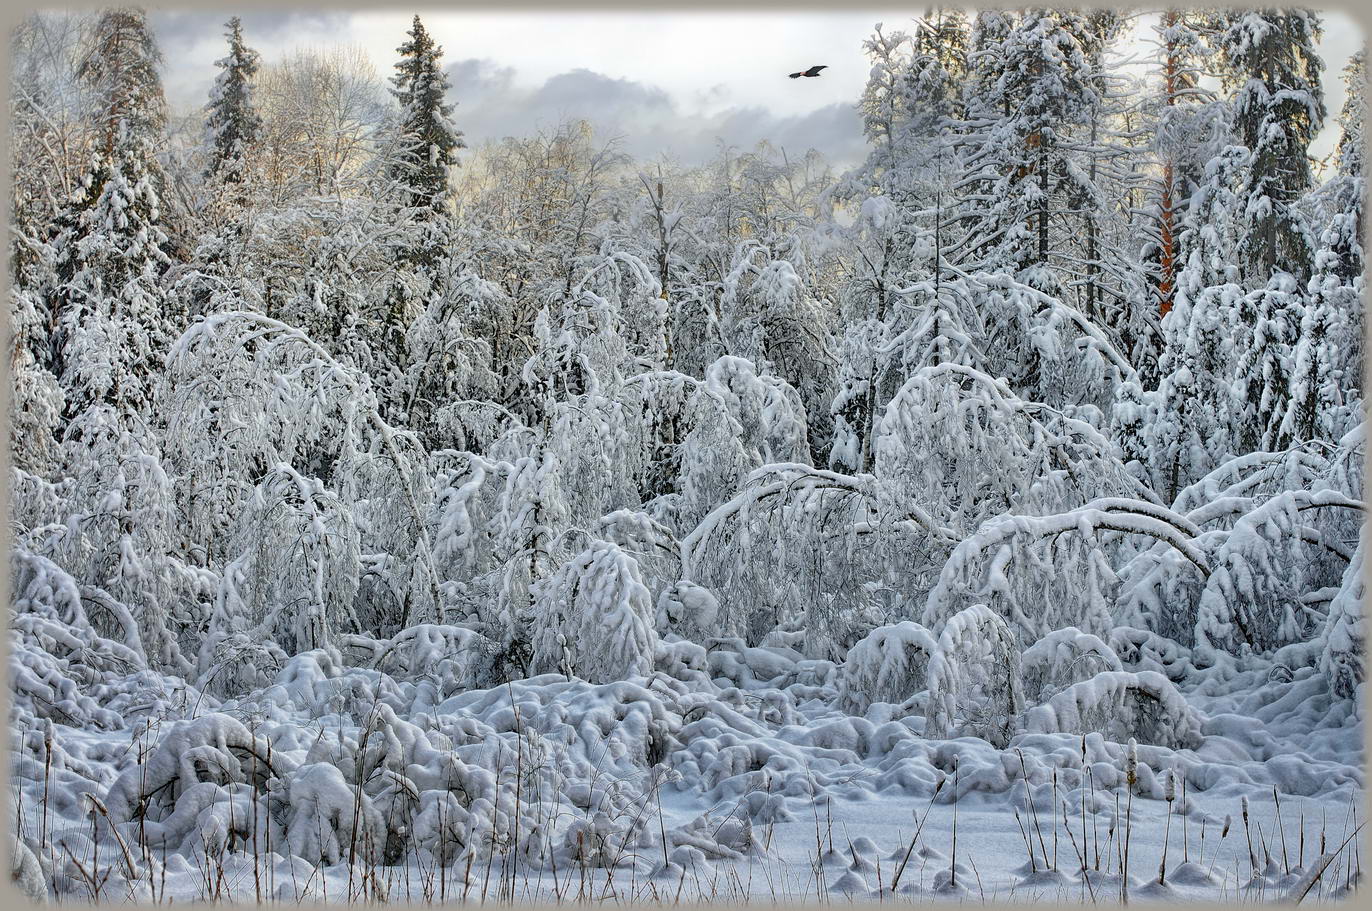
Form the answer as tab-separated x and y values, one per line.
1187	121
1017	178
232	123
1191	434
113	322
1272	66
35	402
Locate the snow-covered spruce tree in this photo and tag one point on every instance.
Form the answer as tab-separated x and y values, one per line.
1269	322
1272	67
421	150
429	140
112	320
1326	380
232	123
594	618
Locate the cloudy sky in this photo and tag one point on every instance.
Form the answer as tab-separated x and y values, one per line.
673	83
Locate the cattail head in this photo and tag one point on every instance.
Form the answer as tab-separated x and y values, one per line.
1169	786
1228	821
1083	749
1131	763
1243	802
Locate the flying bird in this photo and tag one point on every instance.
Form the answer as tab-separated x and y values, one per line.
812	71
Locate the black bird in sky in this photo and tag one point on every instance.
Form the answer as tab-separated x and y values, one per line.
812	71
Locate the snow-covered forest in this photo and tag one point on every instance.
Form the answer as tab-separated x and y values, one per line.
396	518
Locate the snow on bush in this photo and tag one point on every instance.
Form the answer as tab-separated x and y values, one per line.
890	664
974	682
1252	600
1061	658
623	516
594	618
1121	706
690	611
1345	632
1047	572
60	667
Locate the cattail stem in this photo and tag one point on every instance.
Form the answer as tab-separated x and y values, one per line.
1055	820
1185	841
953	879
920	828
1166	834
1286	865
1248	833
1028	849
1033	811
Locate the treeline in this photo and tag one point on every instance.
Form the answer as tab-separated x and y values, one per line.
285	371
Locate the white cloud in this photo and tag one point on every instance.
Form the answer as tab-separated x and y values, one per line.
668	82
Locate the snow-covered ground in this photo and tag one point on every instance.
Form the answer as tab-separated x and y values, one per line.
759	786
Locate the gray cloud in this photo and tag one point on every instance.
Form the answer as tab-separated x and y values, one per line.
647	118
261	27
